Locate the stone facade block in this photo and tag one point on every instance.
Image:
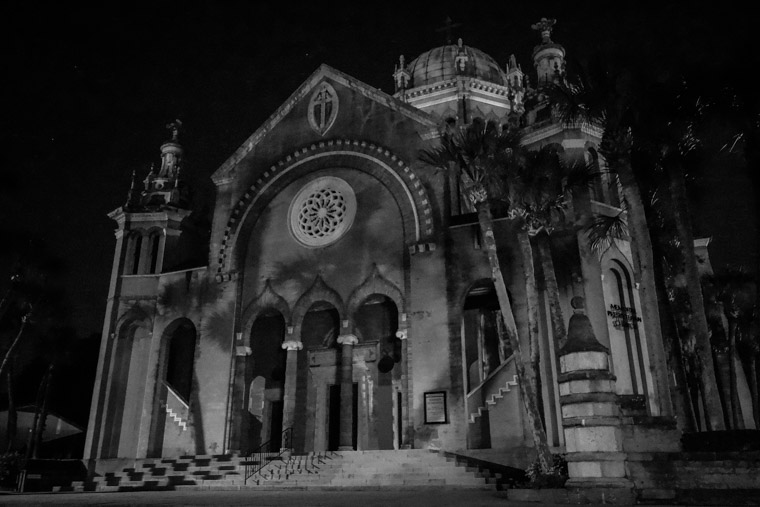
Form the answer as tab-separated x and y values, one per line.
586	386
593	439
589	409
577	361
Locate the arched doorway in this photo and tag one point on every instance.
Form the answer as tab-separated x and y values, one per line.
264	382
319	334
175	388
376	321
483	353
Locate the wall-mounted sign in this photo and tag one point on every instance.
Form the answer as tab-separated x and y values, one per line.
435	408
623	316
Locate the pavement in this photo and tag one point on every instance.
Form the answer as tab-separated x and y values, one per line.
376	498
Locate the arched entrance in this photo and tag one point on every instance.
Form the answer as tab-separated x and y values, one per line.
264	382
316	418
376	322
483	355
175	388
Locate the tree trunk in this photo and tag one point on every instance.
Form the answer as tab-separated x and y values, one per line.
12	426
698	320
643	263
559	327
753	388
531	296
9	352
737	422
528	394
30	441
40	429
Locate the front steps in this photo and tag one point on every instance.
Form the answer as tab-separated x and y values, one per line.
412	469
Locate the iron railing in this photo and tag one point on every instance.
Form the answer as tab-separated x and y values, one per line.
266	453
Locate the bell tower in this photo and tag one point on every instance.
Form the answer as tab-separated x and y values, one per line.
149	222
548	57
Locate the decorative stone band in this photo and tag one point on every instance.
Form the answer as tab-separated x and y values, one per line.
369	157
292	345
348	339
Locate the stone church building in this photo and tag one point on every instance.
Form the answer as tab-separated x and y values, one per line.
346	294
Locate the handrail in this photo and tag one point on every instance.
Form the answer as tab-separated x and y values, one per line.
491	375
176	394
263	454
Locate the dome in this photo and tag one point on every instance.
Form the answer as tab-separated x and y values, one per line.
439	64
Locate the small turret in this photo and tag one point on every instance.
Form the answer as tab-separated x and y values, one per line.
548	57
401	76
165	186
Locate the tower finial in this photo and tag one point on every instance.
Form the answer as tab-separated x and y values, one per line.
131	193
174	128
545	27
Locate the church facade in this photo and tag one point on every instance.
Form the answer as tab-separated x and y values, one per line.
346	302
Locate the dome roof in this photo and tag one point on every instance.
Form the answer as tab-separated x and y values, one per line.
439	64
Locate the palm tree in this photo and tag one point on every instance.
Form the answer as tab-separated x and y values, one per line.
481	153
608	97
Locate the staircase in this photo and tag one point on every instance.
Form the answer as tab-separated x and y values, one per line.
414	469
487	394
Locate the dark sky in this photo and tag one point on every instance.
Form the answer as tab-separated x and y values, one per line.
91	85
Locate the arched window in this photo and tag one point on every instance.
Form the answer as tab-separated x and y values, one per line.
377	321
597	185
180	357
154	242
321	326
132	258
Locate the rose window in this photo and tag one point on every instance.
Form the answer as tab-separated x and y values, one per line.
322	211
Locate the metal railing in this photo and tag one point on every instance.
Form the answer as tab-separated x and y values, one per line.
266	453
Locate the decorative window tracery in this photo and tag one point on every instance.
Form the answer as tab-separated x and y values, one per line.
322	211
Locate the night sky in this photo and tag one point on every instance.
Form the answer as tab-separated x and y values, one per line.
90	87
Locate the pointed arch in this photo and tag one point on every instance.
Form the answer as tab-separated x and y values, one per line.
319	291
268	298
408	190
375	283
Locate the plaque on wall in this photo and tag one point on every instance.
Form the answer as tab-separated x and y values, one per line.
435	408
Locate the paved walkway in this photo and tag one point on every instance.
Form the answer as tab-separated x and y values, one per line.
381	498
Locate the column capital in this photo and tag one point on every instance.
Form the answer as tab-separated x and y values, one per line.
292	345
348	339
402	334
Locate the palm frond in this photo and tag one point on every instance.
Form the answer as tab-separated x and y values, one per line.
604	230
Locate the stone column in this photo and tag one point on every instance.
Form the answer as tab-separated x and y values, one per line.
346	441
289	395
403	335
590	410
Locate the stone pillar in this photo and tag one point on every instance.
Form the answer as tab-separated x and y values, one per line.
590	410
403	335
289	395
346	441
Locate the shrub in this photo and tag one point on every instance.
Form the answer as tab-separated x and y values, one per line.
10	465
555	478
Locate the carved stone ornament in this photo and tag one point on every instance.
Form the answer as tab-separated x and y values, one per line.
323	108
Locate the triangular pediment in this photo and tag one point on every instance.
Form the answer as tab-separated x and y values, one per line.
321	75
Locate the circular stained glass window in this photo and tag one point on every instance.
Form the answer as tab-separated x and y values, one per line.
322	211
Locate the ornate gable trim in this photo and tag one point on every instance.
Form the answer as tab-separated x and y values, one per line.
319	76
